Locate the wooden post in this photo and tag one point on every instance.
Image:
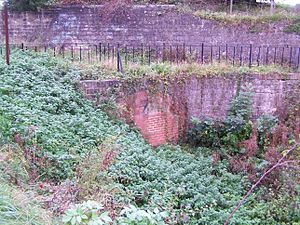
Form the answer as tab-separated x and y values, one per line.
6	33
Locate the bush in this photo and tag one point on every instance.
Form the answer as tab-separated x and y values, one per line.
89	212
266	124
19	207
235	128
51	119
27	5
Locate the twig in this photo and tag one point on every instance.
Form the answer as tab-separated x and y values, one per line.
279	163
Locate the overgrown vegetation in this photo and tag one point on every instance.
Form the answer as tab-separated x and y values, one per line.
253	16
57	134
159	70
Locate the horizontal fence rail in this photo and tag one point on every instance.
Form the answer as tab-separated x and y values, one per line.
237	55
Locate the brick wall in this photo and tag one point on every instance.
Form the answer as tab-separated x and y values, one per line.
163	115
140	24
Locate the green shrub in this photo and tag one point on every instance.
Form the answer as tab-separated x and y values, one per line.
19	207
89	212
28	5
206	132
235	128
132	215
265	126
42	105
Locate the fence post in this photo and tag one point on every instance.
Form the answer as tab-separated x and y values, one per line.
80	54
211	54
184	53
163	53
100	52
282	56
267	56
250	56
113	54
108	52
202	53
219	54
241	56
298	61
72	54
6	33
149	55
258	56
233	60
177	54
133	54
142	53
226	53
126	55
120	66
291	55
275	55
96	49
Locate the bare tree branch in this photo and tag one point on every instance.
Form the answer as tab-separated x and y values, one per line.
280	162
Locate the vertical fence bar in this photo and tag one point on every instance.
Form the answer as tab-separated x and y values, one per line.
282	56
258	56
45	48
108	52
241	56
104	52
233	60
118	58
142	53
72	54
22	46
163	53
156	54
202	53
275	55
226	50
80	54
63	51
100	52
54	51
184	53
113	54
171	54
291	55
149	55
177	54
298	61
250	56
211	54
96	53
133	51
126	55
219	54
191	53
7	50
267	56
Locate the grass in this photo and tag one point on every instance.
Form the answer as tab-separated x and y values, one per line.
250	16
18	207
294	27
156	70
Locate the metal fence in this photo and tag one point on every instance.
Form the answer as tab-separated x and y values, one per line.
236	55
